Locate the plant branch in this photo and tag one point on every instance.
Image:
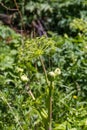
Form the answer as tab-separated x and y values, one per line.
7	7
44	69
20	14
30	92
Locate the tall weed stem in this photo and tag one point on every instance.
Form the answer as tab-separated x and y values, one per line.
50	107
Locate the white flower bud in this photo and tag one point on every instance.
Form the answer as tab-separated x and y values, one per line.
57	71
24	78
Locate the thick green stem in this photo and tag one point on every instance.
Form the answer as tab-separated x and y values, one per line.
50	108
49	96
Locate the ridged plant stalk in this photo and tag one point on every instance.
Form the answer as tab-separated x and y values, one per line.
50	106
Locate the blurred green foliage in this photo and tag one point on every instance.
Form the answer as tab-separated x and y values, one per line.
55	15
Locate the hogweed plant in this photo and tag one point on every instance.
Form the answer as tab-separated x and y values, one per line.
51	77
35	48
47	116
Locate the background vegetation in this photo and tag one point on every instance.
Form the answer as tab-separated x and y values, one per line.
26	57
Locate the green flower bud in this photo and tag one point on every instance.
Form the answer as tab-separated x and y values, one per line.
51	76
24	78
